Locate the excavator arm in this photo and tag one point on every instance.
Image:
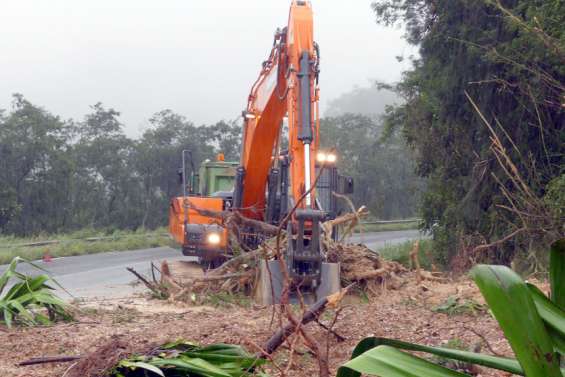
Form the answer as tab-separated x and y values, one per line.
269	182
286	87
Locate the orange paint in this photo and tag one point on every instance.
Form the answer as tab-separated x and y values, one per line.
269	101
176	216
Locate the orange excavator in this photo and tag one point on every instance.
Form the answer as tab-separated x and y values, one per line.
280	161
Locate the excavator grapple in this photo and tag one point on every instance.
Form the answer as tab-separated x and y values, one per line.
312	277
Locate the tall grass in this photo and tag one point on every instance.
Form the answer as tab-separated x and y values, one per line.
401	253
78	243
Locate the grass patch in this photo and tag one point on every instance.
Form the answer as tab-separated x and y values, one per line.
81	243
227	300
456	306
401	253
366	228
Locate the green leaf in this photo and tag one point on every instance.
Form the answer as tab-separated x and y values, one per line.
387	361
44	320
552	315
501	363
447	305
557	273
21	310
48	298
8	273
38	282
511	302
17	289
223	353
558	342
179	344
199	366
141	365
7	315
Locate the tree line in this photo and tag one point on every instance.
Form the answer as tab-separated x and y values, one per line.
62	175
58	175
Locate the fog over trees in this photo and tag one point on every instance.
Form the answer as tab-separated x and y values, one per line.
60	175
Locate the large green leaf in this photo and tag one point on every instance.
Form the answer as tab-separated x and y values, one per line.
552	315
557	273
27	315
182	358
8	273
198	366
7	315
27	295
224	353
558	342
28	285
511	302
17	289
509	365
387	361
141	365
39	282
11	272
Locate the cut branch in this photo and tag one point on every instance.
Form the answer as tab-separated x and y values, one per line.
49	359
310	315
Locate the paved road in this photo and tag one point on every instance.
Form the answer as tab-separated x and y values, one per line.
377	240
104	275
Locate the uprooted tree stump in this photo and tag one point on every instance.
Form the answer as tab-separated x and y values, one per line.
240	274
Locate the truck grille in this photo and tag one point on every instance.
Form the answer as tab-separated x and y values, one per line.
194	237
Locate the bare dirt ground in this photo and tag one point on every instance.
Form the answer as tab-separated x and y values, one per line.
405	313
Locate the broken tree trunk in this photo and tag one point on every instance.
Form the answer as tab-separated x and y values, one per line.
312	314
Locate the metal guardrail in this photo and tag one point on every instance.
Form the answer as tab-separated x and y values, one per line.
390	221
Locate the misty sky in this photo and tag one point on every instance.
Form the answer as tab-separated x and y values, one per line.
196	57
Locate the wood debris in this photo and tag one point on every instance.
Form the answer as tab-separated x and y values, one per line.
240	274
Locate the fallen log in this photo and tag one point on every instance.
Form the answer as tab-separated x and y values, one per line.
49	359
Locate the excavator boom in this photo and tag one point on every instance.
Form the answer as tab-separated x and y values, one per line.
286	87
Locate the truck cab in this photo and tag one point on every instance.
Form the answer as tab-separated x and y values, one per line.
200	235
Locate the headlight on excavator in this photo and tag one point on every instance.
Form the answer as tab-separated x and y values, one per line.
321	157
213	238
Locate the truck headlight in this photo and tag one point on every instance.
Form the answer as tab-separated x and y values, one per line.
331	158
321	157
213	238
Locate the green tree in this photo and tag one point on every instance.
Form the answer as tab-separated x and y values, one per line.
224	137
157	160
381	167
34	169
507	58
105	192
